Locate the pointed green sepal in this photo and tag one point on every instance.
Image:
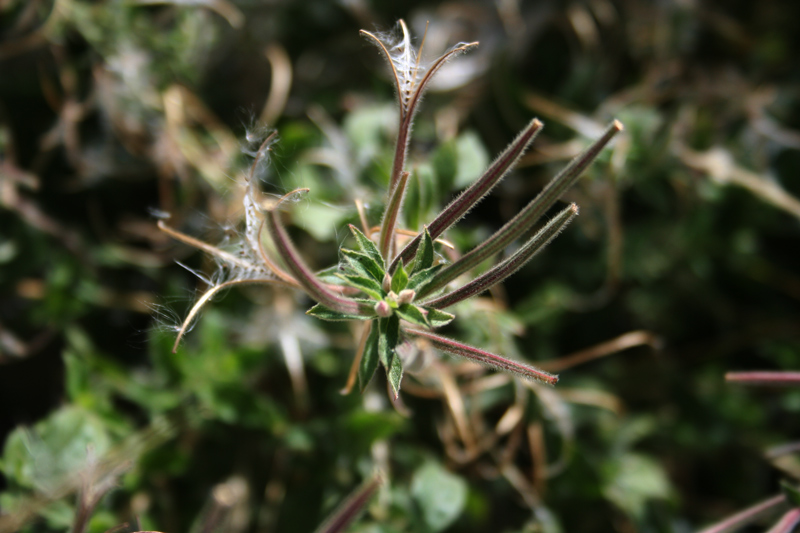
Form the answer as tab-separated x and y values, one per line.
418	281
366	285
412	313
438	318
424	257
330	275
367	246
389	339
325	313
369	360
399	279
362	264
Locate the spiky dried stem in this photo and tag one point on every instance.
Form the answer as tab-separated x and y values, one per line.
483	357
509	266
206	297
528	216
389	223
260	154
312	286
209	249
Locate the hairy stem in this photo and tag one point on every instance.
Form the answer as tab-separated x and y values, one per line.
389	222
773	378
523	221
303	275
210	293
506	268
483	357
475	192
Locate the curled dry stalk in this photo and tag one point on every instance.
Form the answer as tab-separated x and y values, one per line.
401	295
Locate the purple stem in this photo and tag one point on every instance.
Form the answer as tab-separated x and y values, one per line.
506	268
475	192
787	523
315	289
745	517
537	207
775	379
486	358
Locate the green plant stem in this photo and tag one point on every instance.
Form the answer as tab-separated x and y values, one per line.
389	222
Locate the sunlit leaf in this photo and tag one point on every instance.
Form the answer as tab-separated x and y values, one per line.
440	494
367	246
399	279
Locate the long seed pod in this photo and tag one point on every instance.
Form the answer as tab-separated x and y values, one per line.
475	192
509	266
532	212
483	357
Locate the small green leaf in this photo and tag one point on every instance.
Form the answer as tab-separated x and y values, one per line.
424	257
395	374
792	493
369	360
389	339
367	246
330	275
363	265
419	280
438	318
633	479
326	313
366	285
412	313
390	332
440	494
399	279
